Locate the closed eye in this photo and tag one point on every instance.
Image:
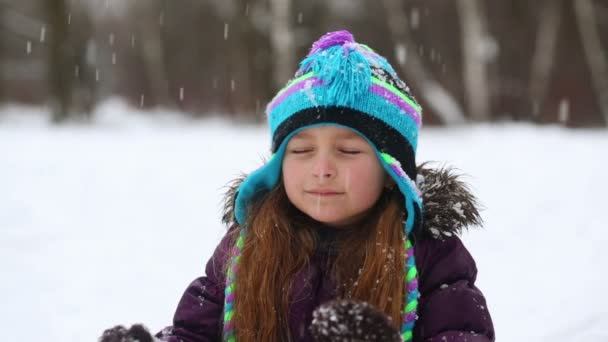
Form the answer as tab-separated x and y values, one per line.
300	151
350	151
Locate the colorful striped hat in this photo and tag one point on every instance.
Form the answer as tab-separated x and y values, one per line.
345	83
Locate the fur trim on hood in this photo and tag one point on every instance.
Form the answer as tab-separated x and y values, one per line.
449	205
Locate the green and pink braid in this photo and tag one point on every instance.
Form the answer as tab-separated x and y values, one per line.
237	249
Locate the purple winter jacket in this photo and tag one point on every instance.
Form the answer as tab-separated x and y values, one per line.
451	307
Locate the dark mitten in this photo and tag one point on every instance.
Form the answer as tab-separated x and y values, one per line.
348	320
137	333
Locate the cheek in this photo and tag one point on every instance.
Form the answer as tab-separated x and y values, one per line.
367	180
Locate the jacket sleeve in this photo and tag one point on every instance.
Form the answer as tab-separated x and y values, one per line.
451	307
198	317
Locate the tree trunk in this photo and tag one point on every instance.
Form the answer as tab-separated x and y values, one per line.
150	32
281	36
82	71
60	80
243	81
475	75
442	102
544	52
594	53
2	77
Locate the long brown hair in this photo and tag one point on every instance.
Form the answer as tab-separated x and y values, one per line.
280	241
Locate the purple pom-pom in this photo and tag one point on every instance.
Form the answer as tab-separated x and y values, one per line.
332	39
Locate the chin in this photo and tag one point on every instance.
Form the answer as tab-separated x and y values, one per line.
332	221
325	219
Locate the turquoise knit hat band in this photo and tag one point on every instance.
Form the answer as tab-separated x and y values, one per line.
382	101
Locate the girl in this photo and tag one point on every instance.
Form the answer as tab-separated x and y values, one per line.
340	211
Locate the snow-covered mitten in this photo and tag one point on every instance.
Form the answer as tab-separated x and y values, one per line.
137	333
348	320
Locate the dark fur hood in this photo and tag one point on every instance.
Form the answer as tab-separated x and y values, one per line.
449	205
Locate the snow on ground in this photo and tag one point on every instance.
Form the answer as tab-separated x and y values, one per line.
108	223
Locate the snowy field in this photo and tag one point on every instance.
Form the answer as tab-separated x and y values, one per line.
108	223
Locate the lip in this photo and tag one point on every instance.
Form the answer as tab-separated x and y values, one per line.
323	192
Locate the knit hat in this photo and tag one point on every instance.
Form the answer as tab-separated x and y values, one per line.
345	83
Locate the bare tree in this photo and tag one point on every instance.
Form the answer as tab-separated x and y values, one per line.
282	41
245	85
1	55
60	82
474	43
149	31
84	85
594	53
544	52
443	103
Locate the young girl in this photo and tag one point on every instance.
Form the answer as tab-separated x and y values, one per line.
340	211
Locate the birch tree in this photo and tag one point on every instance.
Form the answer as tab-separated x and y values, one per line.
475	74
282	42
442	102
544	52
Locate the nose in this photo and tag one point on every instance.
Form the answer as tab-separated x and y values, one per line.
323	166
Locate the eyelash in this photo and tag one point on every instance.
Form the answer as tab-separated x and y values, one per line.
351	152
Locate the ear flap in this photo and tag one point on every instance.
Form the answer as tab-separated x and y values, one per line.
259	182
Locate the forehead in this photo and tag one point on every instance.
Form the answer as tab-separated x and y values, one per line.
333	132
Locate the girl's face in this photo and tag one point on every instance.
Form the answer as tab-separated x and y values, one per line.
332	174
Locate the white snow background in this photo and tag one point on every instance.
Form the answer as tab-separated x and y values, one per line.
108	223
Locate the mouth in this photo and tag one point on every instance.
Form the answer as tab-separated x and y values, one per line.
323	193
